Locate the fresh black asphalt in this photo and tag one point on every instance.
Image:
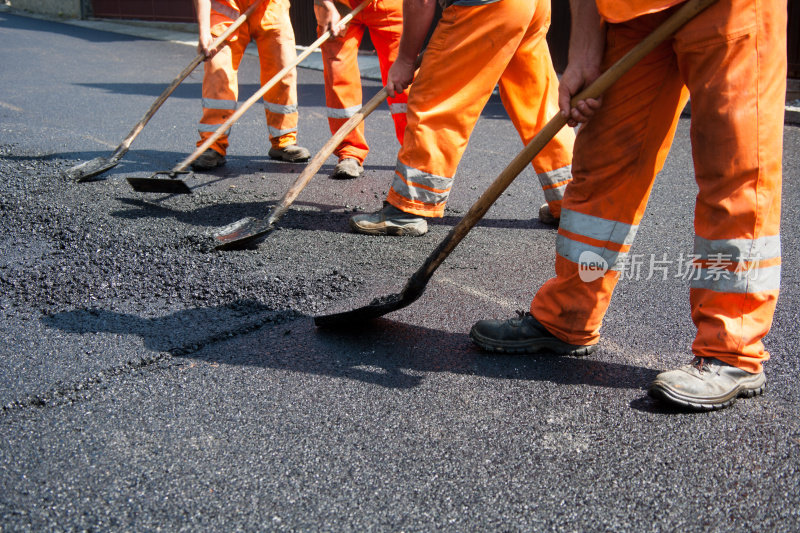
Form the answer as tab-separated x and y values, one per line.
151	383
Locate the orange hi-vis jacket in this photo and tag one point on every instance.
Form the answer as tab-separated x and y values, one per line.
384	20
731	60
476	46
271	29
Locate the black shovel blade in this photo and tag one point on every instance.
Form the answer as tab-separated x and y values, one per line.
88	169
171	185
375	309
356	317
242	233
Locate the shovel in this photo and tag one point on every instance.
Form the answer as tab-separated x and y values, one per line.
249	231
171	184
88	169
415	286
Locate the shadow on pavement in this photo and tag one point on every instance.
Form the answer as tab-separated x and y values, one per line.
221	214
384	352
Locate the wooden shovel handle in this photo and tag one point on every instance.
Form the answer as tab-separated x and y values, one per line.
595	90
266	87
319	159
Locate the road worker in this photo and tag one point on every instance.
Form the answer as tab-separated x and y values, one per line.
476	45
731	60
272	31
384	20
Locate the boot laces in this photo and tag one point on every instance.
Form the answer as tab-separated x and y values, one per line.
520	316
700	363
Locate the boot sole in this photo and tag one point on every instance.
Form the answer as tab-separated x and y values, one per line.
345	176
661	391
393	231
298	160
531	346
207	167
278	157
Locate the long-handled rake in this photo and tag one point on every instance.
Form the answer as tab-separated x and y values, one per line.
88	169
416	285
171	184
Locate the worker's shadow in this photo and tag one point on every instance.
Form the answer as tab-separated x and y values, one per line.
321	217
383	352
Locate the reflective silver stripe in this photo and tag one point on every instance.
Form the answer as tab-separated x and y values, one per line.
555	176
280	109
423	178
213	103
397	109
572	250
737	250
598	228
555	194
222	9
343	113
418	193
748	282
211	128
275	132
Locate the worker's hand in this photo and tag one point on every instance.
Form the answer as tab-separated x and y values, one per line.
400	76
328	17
587	43
574	79
204	43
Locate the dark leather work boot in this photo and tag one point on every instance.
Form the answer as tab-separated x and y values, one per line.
522	334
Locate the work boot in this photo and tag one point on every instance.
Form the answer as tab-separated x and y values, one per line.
389	221
706	384
347	169
291	154
546	217
522	334
208	160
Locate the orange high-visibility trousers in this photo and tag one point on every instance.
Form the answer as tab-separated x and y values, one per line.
384	20
731	59
272	31
472	50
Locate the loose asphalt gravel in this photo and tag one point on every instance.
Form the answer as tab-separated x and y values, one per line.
150	382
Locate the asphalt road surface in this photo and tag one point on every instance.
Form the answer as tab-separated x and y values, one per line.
149	382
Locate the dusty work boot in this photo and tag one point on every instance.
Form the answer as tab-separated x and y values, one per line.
522	334
706	384
546	217
208	160
291	154
389	221
347	169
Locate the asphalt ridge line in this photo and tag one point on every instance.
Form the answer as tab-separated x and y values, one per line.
68	394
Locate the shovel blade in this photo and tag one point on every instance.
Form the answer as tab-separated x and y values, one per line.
357	317
242	233
377	307
88	169
168	186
